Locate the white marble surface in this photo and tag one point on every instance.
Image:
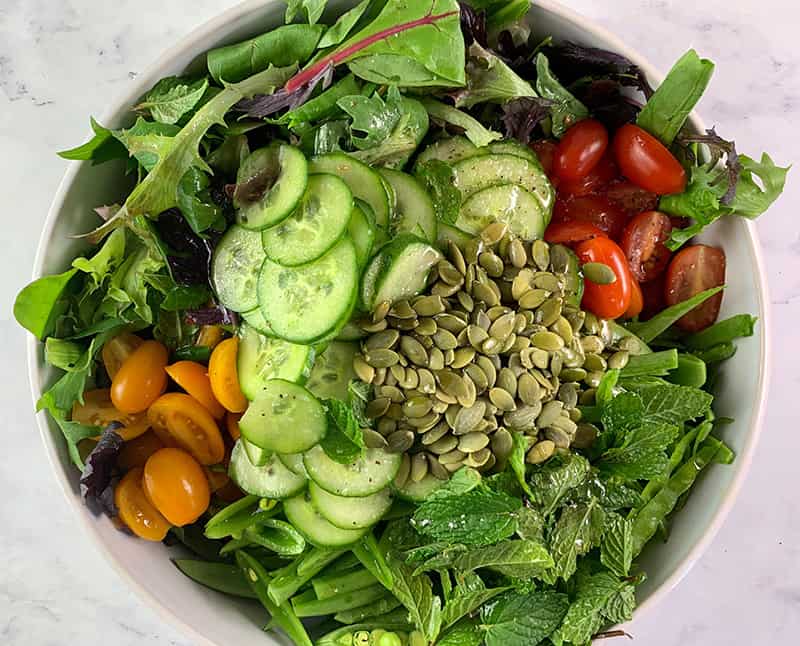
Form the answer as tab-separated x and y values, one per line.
62	60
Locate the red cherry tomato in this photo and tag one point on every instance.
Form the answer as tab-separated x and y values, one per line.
645	161
597	180
643	243
652	298
693	270
545	150
606	301
570	233
593	209
637	301
631	198
580	150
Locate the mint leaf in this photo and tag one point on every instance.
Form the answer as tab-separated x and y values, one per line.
642	454
438	178
517	461
616	546
462	605
102	147
622	414
173	97
514	558
553	481
621	605
489	79
343	441
566	109
358	394
462	481
311	8
148	141
415	592
477	517
522	619
578	530
373	118
530	526
671	404
464	633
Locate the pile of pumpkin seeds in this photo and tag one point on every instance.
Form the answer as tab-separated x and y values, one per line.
496	345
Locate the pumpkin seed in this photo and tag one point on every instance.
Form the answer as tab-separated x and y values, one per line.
632	345
503	326
381	310
472	442
516	253
435	434
451	382
502	444
476	336
618	360
402	310
528	389
467	399
427	382
593	379
587	397
386	426
395	412
524	418
585	436
462	357
449	355
565	424
478	458
472	250
563	329
444	397
502	399
489	370
452	457
370	326
592	344
468	418
546	280
403	472
435	359
363	370
477	376
491	346
540	252
482	292
573	374
558	437
560	258
407	325
382	340
449	274
491	263
568	395
550	411
429	305
520	343
396	395
541	452
373	439
549	341
507	380
424	423
417	406
533	298
465	300
377	407
575	414
450	322
599	273
443	445
594	363
400	441
414	351
494	232
445	340
556	363
426	327
444	290
436	468
419	467
550	312
452	468
398	373
381	358
438	406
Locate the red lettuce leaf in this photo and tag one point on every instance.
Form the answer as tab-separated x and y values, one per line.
97	480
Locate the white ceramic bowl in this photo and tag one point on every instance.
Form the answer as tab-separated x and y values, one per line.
213	619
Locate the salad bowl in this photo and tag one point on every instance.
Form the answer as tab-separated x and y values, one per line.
209	617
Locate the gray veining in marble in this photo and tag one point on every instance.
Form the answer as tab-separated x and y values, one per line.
62	60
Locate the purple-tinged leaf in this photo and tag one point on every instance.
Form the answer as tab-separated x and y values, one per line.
264	105
473	25
188	254
97	480
521	116
717	147
217	315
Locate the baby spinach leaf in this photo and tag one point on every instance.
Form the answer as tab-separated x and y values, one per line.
522	619
321	107
173	97
102	147
416	594
437	176
667	110
477	517
517	461
578	530
642	454
39	304
462	605
489	79
311	8
566	109
343	441
473	129
373	119
195	203
148	141
671	404
339	30
553	481
61	353
616	546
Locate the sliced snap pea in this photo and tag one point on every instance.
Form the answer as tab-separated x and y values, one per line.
276	535
651	328
329	585
221	577
224	514
371	556
735	327
717	353
287	581
395	620
691	371
375	609
305	607
656	364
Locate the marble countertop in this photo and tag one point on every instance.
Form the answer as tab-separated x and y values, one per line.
62	60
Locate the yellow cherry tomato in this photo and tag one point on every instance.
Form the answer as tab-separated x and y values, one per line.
209	336
117	350
193	378
177	485
224	376
136	452
232	424
141	379
136	511
98	410
181	421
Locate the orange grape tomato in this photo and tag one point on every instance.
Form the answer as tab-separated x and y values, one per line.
136	511
117	349
181	421
232	423
135	453
193	378
209	336
98	410
141	379
177	485
637	301
224	376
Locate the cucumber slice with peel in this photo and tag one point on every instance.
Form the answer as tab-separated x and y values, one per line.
414	211
369	474
269	185
255	319
449	150
272	480
511	147
314	527
507	203
258	456
361	229
448	233
293	462
235	268
350	513
333	371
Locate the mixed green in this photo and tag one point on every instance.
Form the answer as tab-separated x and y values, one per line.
402	330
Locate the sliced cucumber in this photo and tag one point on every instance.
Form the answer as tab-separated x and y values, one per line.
235	268
272	480
362	232
419	491
413	208
477	173
258	457
306	303
333	371
364	183
350	513
364	477
269	185
262	358
317	223
511	147
450	150
507	203
284	418
255	319
293	462
448	233
398	271
318	531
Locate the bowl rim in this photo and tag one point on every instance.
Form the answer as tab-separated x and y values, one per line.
194	39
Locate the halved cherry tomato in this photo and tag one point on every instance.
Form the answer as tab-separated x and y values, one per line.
181	421
652	297
117	350
141	379
606	301
232	424
98	410
136	511
224	376
176	485
570	233
209	336
193	378
545	150
136	452
598	178
630	198
643	243
580	150
637	301
594	209
693	270
645	161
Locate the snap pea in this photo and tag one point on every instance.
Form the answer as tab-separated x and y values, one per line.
691	371
282	614
236	522
374	609
276	535
656	364
231	510
717	353
396	620
287	581
651	328
725	331
310	606
329	585
192	537
344	563
371	556
221	577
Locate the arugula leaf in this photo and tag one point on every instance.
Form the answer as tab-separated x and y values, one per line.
566	109
651	328
462	605
578	530
490	80
473	129
344	24
39	303
667	110
147	141
752	200
373	119
416	594
102	147
553	481
642	454
437	176
195	202
478	517
343	441
173	97
522	619
671	404
616	546
312	8
464	633
517	461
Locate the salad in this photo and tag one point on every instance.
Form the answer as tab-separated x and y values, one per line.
403	330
